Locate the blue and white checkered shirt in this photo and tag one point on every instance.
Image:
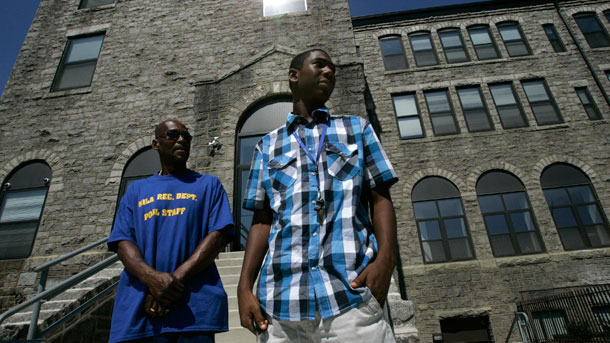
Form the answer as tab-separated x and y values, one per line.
310	262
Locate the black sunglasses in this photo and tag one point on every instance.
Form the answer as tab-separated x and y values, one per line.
175	134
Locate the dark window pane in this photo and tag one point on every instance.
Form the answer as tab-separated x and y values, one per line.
522	221
517	49
429	230
486	52
556	197
425	58
456	55
425	209
563	217
460	249
474	109
580	194
455	227
75	76
496	224
450	207
477	120
516	201
598	235
395	62
246	148
490	203
588	104
511	117
391	46
434	252
571	239
589	214
443	124
438	101
16	239
502	245
528	243
545	114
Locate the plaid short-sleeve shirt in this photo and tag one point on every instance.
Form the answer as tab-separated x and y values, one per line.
311	261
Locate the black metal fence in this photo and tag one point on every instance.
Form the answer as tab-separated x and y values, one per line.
575	315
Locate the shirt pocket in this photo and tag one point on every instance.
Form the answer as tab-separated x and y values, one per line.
283	171
342	160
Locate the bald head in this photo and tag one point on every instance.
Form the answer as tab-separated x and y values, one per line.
162	126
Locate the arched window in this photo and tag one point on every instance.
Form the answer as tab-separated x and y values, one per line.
441	223
513	38
259	120
142	164
21	202
576	210
508	215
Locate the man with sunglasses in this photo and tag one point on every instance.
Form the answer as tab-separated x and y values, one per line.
325	264
168	230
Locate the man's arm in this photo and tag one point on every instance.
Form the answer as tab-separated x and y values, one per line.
256	248
203	256
377	274
164	287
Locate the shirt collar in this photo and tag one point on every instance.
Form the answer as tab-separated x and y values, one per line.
321	115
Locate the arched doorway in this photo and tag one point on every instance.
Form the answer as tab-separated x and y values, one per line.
257	121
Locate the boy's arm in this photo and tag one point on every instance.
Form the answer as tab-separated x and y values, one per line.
256	248
377	274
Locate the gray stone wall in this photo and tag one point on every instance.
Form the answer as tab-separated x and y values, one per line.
487	285
153	57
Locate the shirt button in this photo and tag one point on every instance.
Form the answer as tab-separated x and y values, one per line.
309	149
315	234
313	268
313	202
314	174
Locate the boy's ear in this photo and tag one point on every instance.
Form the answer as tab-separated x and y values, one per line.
293	75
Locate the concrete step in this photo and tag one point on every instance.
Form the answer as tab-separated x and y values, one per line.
229	270
229	255
229	262
236	335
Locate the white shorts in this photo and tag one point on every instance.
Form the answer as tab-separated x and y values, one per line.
367	323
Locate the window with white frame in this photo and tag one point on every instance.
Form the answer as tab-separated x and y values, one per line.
407	116
277	7
78	63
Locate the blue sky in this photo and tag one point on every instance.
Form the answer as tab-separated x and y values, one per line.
16	17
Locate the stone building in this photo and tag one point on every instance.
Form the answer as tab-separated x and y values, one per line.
495	116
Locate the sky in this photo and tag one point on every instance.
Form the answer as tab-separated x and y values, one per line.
16	17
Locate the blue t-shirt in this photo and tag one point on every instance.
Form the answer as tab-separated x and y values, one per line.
167	217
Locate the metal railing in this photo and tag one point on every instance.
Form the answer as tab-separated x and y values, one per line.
45	295
580	314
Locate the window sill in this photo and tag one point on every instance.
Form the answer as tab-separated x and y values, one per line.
75	91
292	14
